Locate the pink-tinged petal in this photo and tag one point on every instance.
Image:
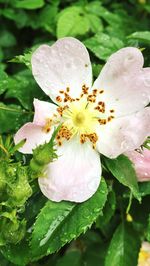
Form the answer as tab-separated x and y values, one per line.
124	134
34	136
65	64
125	82
141	162
43	111
74	176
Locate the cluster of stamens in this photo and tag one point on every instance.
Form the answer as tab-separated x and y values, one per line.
65	133
92	137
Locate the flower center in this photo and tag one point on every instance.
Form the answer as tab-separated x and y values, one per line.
81	116
79	119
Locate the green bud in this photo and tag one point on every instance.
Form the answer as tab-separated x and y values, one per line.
20	190
35	166
43	155
12	230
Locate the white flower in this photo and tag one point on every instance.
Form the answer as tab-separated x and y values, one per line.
108	117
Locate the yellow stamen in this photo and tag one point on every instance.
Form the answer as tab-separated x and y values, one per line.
80	116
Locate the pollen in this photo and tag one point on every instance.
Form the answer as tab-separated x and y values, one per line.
80	116
92	137
102	121
85	89
47	126
94	92
112	111
63	134
61	109
58	99
110	118
101	91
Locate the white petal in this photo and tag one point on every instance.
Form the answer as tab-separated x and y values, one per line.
125	83
65	64
124	134
43	111
75	175
34	136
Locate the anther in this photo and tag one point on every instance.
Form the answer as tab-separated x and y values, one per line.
58	99
101	91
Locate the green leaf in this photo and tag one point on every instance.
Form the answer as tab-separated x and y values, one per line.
95	254
47	18
144	188
23	88
17	254
148	230
7	39
28	4
70	258
123	170
120	251
23	59
102	45
72	22
5	262
20	17
59	223
12	117
141	36
108	210
95	23
3	81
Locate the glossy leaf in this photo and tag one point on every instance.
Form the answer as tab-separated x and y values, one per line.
12	117
102	45
141	36
3	81
144	188
123	170
71	258
72	22
29	4
59	223
108	210
124	247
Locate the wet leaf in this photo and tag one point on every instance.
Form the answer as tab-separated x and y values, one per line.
59	223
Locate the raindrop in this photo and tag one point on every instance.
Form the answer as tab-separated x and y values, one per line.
72	236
